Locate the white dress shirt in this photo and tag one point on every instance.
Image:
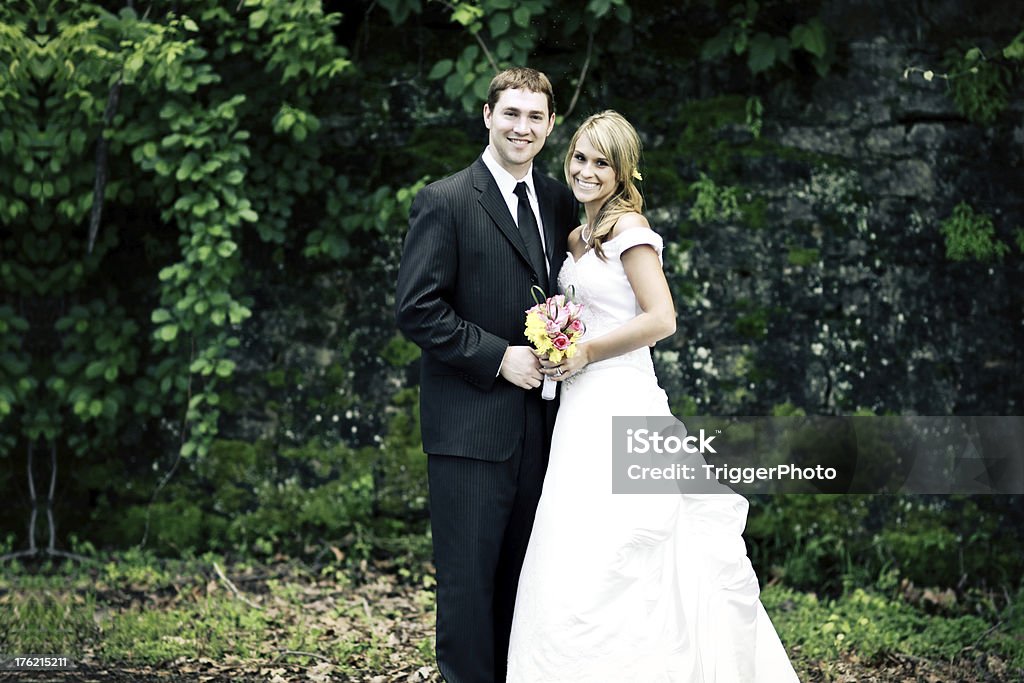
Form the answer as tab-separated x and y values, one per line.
507	186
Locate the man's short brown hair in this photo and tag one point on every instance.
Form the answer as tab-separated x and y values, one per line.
520	78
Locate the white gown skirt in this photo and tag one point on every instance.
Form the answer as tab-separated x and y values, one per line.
643	588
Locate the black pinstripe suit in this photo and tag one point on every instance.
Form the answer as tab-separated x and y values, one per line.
463	289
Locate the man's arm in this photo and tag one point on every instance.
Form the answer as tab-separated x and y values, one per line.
427	279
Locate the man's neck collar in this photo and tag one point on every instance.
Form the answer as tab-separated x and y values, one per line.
497	169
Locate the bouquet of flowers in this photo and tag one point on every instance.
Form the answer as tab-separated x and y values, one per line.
553	326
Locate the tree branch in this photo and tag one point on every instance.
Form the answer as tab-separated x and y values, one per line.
100	183
233	588
177	459
490	57
49	498
32	499
34	550
583	75
479	40
314	655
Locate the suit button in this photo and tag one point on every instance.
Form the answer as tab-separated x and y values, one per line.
533	279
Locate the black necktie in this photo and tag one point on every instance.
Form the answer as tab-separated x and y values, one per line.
531	234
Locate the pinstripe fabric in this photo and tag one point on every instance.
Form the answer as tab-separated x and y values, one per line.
481	516
463	289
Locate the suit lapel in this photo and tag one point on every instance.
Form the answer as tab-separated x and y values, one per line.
494	204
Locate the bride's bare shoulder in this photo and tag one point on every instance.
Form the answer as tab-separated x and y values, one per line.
629	221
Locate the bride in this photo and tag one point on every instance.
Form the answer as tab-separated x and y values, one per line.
619	588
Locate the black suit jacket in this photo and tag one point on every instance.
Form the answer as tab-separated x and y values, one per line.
463	290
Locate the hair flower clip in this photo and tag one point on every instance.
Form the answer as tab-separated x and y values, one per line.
636	174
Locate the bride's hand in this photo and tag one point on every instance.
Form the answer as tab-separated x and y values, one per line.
568	366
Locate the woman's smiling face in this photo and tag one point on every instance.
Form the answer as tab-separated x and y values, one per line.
593	178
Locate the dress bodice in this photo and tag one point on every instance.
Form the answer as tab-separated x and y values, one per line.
604	290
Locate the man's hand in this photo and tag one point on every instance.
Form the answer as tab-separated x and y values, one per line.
521	367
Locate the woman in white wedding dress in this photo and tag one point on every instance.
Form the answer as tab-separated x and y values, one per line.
627	587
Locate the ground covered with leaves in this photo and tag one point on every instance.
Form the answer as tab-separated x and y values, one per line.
134	618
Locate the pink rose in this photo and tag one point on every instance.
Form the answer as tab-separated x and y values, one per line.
576	326
561	342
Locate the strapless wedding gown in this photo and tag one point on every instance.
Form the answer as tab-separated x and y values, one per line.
645	588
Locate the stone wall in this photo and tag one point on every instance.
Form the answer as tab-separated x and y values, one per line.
845	299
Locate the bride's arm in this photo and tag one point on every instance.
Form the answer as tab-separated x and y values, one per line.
658	317
656	321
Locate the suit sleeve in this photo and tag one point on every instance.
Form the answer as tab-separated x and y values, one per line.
427	278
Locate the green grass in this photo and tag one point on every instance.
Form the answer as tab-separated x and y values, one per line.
133	609
212	627
871	626
136	610
38	615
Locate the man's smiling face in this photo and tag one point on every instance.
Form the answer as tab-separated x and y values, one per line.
519	125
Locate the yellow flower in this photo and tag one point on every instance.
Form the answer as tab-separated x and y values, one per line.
534	320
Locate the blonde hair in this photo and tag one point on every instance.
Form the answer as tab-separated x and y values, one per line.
616	139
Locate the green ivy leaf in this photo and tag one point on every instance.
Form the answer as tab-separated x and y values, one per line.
717	46
441	69
500	24
258	18
188	164
521	15
226	248
762	53
95	408
810	37
94	369
1015	50
225	367
168	333
599	8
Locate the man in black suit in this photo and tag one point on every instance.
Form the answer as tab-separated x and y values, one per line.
478	241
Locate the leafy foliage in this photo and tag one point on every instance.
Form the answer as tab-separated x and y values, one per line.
160	100
827	542
971	236
505	33
713	202
749	33
980	86
871	627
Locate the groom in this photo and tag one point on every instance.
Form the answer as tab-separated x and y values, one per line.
478	241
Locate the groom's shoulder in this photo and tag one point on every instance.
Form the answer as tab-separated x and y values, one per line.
451	188
459	178
549	183
553	188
